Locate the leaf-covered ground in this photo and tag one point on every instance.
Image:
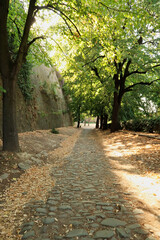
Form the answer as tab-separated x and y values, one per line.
35	183
134	159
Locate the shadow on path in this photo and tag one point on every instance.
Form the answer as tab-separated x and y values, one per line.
87	202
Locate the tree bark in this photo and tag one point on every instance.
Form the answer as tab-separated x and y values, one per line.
78	116
10	133
9	72
97	122
78	124
115	113
105	122
101	122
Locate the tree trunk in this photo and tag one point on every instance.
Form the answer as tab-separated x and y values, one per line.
97	122
78	124
10	133
9	72
101	122
115	113
105	122
78	116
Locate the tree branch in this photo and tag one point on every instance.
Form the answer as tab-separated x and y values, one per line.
143	72
34	39
61	13
69	21
23	46
18	30
136	71
126	72
128	89
114	9
93	60
95	70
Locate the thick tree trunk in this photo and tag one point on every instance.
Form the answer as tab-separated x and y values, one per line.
8	74
105	122
115	113
97	122
10	133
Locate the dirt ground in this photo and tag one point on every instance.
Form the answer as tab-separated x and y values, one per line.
131	156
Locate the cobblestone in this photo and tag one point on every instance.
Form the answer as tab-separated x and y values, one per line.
86	203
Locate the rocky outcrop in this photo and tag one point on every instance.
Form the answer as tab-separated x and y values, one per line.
48	107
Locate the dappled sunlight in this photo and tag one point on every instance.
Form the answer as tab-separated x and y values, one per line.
123	148
145	187
140	150
135	161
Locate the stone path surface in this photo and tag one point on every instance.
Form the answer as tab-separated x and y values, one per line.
86	203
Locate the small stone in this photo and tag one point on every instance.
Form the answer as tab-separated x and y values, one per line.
23	166
41	210
77	233
89	190
48	220
114	197
52	209
28	162
76	223
137	211
101	215
107	208
113	222
65	207
51	214
140	231
14	171
133	226
28	224
37	161
4	176
58	238
94	225
121	233
28	234
104	234
52	202
44	229
91	217
123	208
102	203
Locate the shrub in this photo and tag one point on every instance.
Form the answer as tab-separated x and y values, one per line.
54	131
143	125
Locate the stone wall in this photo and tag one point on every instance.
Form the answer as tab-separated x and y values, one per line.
48	108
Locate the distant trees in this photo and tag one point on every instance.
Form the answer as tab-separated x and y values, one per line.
120	46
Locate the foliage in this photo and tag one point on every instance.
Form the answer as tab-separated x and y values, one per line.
24	81
54	131
49	88
143	125
118	49
2	90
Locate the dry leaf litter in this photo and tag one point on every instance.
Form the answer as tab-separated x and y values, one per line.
34	184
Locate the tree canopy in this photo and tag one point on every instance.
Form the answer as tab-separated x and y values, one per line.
105	49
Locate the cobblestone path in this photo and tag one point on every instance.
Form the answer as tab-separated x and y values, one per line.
87	201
